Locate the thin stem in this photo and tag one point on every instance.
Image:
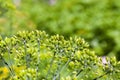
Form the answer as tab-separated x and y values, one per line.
51	63
12	74
10	61
65	65
38	59
79	72
58	74
85	66
101	76
57	71
26	58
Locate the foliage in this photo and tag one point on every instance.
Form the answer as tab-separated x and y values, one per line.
96	21
6	9
54	57
12	19
5	6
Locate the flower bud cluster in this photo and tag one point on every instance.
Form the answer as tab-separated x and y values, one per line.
54	57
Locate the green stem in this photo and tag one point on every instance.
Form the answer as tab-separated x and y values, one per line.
101	76
79	72
10	61
65	65
85	66
12	74
56	75
26	58
38	59
51	63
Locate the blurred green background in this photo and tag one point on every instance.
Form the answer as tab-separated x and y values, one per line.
95	20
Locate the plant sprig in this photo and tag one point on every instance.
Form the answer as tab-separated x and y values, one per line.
54	57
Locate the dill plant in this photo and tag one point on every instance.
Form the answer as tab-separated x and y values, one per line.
47	57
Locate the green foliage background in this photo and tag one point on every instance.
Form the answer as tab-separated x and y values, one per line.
95	20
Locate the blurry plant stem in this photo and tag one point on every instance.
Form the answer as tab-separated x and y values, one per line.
63	68
10	61
56	75
51	63
10	70
38	59
26	58
101	75
65	65
79	72
85	66
25	50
